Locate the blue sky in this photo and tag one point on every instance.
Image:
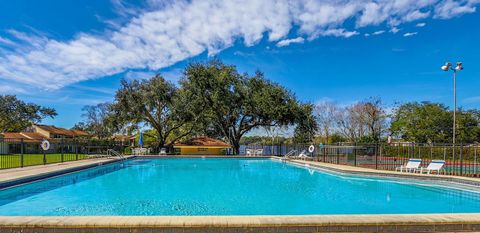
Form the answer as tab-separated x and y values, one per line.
67	54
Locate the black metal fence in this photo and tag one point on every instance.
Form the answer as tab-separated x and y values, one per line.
23	152
464	162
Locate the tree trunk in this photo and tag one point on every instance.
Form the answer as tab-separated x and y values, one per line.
235	141
236	149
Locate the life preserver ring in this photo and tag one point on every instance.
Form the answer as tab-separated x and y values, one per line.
45	145
311	148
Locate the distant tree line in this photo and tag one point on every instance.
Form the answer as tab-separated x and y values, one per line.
420	122
213	99
16	115
365	121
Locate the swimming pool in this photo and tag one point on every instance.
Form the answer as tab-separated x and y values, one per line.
217	186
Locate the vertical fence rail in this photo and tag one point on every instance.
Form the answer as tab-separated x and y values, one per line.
384	156
22	152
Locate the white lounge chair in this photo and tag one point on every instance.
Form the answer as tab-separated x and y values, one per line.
163	151
411	165
249	152
434	166
259	152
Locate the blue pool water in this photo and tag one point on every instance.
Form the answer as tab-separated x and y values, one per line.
192	186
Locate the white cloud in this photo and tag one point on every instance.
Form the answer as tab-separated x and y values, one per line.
6	41
416	15
378	32
449	8
9	89
408	34
394	30
338	32
420	25
171	31
287	42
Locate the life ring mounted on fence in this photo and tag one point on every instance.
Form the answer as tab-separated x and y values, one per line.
311	148
45	145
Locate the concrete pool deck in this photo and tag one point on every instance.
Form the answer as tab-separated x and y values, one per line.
293	223
347	169
14	176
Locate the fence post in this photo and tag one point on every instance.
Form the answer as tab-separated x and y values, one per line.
475	161
454	160
338	156
76	151
325	153
355	154
413	151
376	155
431	151
461	158
21	152
61	148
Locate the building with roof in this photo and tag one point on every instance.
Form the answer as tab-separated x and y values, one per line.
25	136
128	140
29	141
52	132
202	146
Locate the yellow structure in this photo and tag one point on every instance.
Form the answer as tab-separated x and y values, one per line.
202	146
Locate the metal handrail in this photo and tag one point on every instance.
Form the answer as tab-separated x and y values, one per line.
111	152
290	153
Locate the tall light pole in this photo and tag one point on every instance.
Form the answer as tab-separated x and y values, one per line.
458	67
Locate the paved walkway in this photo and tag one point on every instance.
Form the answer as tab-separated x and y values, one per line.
223	224
24	172
362	170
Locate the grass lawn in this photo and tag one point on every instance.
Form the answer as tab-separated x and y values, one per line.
14	160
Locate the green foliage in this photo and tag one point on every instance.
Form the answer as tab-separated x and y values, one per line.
334	138
149	137
16	115
432	122
15	160
422	122
232	104
157	103
468	126
265	140
98	120
306	126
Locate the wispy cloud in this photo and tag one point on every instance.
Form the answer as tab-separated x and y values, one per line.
409	34
376	33
394	30
6	41
420	25
287	42
449	8
338	32
171	31
9	89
